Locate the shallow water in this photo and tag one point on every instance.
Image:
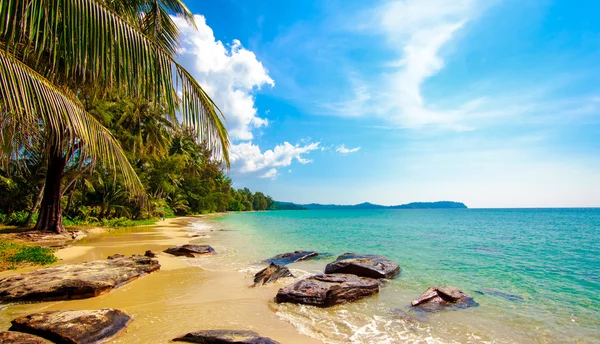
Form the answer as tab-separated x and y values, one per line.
539	271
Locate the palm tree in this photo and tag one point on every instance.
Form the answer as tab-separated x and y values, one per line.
56	53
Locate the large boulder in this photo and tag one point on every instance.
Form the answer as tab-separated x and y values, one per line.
74	327
191	250
271	274
224	337
365	265
327	290
75	281
437	298
10	337
292	257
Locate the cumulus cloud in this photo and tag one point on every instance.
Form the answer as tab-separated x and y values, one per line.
270	174
343	150
247	157
229	73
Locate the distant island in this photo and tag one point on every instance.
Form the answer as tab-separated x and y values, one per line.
367	205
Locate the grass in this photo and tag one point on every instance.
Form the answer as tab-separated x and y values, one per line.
14	255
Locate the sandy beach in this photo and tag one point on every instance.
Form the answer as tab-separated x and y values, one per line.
179	298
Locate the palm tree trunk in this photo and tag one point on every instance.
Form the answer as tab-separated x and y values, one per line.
36	206
50	218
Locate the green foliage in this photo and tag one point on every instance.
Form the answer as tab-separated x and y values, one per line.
13	255
16	218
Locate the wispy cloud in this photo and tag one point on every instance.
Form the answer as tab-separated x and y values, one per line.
343	150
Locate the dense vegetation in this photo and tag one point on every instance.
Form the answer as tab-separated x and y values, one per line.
180	174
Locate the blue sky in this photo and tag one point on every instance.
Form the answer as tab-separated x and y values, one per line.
492	103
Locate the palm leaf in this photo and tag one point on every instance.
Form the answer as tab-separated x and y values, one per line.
87	41
32	98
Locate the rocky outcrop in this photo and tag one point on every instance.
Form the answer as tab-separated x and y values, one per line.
76	327
150	254
437	298
224	337
292	257
271	274
191	250
76	281
10	337
365	265
327	290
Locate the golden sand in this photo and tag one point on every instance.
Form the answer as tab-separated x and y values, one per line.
177	299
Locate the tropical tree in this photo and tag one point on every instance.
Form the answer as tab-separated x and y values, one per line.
58	55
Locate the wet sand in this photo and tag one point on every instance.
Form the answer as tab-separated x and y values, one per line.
177	299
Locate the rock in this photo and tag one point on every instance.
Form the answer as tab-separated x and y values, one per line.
150	254
327	290
77	327
10	337
78	235
225	336
502	294
292	257
191	250
75	281
437	298
271	274
365	265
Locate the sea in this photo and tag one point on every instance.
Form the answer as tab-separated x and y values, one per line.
535	273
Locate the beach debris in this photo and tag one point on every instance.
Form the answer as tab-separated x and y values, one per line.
502	294
327	290
292	257
437	298
79	327
364	265
270	274
75	281
10	337
225	336
191	250
150	254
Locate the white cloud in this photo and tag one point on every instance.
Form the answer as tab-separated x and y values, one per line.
228	73
271	174
247	157
343	150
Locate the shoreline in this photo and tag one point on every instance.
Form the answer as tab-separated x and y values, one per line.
178	299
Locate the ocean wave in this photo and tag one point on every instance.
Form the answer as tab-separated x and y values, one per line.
359	325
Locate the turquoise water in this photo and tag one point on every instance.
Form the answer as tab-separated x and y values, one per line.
547	260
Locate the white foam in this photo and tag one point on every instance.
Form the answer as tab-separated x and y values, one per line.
344	325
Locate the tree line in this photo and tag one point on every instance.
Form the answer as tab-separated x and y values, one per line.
180	174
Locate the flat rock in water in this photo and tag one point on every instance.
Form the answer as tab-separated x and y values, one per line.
437	298
75	281
327	290
225	336
502	294
292	257
271	274
191	250
77	327
365	265
10	337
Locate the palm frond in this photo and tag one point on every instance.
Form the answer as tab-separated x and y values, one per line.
86	40
32	98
